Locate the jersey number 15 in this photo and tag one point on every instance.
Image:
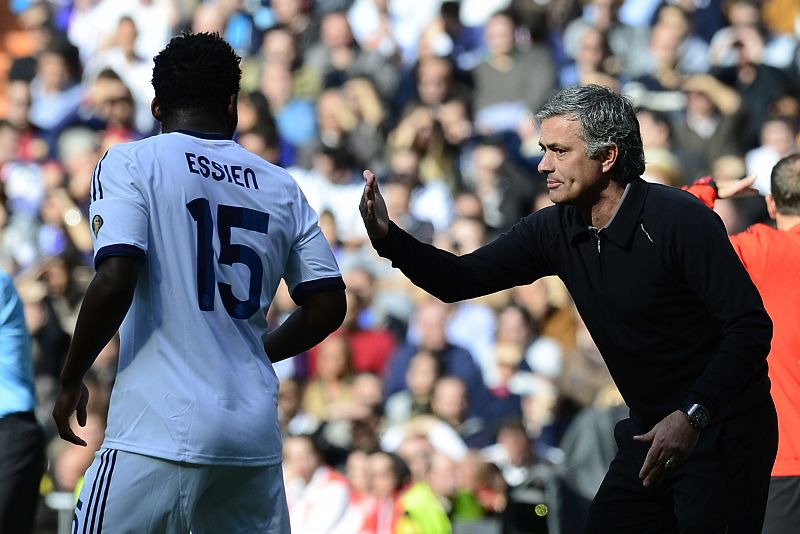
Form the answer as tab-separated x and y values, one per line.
227	217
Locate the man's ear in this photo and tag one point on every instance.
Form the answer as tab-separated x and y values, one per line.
772	209
155	109
233	104
609	157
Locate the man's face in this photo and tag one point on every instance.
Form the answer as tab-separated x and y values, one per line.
571	175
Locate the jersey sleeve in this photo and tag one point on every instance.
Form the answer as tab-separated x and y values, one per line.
118	212
311	266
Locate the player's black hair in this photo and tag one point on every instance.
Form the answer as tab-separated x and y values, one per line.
196	71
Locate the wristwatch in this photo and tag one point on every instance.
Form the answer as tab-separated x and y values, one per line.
698	415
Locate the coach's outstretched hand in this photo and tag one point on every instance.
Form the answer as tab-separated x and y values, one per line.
373	208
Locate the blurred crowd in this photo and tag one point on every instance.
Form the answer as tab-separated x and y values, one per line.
417	416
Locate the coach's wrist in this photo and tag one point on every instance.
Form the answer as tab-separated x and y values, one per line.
697	415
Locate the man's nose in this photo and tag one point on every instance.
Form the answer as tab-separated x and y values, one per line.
545	165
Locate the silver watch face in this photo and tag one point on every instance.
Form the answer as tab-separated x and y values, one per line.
698	415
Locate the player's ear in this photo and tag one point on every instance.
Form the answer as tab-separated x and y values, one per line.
609	157
155	109
233	104
772	209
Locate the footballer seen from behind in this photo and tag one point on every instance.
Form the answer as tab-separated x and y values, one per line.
192	234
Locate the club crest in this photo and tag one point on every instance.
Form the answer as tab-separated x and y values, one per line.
97	223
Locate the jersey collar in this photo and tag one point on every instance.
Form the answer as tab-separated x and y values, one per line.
204	135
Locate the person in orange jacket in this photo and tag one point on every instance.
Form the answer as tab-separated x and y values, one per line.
772	258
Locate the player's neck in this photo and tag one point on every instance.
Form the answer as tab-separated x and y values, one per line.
197	123
786	222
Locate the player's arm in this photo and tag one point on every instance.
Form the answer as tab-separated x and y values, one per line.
107	300
709	191
318	316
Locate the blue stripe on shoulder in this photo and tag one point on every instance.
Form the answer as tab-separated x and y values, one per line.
99	170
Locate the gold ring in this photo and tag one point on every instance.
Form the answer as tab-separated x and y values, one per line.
668	463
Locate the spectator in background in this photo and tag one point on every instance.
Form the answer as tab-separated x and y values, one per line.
134	70
430	324
760	85
504	186
626	42
449	402
778	140
509	80
418	131
747	14
431	198
278	45
21	438
388	477
711	125
293	114
373	27
398	199
317	495
455	117
349	118
423	372
593	58
660	146
372	344
263	141
330	186
691	51
328	396
30	146
300	19
530	480
338	58
293	419
56	91
114	106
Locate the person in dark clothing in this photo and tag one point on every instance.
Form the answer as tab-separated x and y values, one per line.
680	325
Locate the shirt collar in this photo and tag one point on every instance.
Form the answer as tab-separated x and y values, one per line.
623	223
203	135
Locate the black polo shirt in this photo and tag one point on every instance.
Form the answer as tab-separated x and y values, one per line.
661	290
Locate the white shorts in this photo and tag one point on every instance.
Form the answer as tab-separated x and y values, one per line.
124	492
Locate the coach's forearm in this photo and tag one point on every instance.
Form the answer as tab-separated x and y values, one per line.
306	326
104	306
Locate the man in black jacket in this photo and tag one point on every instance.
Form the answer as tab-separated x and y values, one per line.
677	319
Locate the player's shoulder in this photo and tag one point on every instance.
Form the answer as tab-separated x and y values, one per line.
759	236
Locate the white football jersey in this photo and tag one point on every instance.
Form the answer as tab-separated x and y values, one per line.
216	228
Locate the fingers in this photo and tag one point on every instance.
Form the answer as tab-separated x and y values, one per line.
81	407
652	462
68	435
71	399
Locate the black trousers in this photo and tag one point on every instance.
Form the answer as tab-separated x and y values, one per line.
21	468
783	506
722	487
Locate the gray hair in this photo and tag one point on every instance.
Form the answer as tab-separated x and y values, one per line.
606	119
